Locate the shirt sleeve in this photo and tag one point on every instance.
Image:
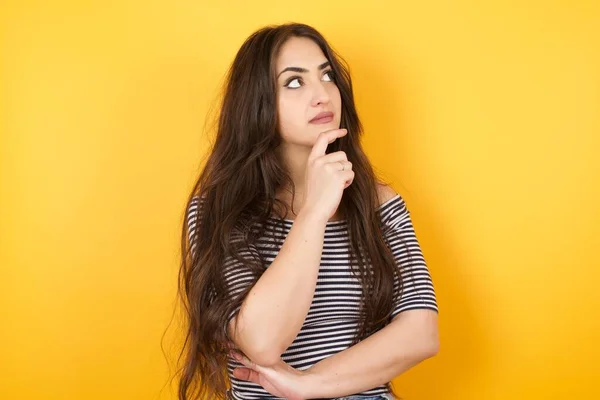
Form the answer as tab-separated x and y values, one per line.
192	214
236	275
417	291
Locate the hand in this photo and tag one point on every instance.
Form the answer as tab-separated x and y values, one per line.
280	380
327	175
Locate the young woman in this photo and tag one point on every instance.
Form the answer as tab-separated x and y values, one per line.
301	273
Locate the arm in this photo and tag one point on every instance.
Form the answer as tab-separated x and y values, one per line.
272	313
410	338
275	308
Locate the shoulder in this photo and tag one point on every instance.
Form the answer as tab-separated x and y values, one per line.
392	208
385	193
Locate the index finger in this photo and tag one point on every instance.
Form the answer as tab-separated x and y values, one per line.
323	141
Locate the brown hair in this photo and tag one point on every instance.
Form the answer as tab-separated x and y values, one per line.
237	187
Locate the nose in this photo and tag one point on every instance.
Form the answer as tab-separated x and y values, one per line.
320	94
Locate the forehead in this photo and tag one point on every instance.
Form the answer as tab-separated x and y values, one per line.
299	52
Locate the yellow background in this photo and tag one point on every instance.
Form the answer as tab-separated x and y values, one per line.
484	115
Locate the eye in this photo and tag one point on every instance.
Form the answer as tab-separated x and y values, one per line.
331	74
295	86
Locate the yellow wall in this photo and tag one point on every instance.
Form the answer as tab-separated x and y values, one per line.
485	116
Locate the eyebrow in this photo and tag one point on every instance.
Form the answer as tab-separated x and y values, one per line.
302	70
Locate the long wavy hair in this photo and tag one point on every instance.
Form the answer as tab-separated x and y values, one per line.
238	186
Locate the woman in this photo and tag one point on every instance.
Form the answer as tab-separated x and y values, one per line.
302	276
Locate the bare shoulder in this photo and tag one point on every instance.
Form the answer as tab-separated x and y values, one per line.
385	193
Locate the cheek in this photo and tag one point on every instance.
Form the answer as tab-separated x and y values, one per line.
290	116
335	97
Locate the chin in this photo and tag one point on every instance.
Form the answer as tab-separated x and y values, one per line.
325	127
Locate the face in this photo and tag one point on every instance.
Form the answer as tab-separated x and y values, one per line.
305	89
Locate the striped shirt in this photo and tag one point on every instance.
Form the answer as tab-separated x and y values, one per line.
333	315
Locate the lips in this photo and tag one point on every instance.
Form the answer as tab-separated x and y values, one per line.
322	118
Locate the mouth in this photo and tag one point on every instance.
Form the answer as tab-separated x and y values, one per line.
322	118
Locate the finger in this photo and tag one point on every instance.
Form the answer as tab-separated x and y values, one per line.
345	165
242	359
323	141
348	183
246	374
245	361
348	177
334	157
341	166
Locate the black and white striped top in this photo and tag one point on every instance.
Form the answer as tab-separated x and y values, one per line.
332	318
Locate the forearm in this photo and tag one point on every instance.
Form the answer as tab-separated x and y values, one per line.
405	342
275	308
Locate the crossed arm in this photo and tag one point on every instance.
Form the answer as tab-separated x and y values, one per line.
410	338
